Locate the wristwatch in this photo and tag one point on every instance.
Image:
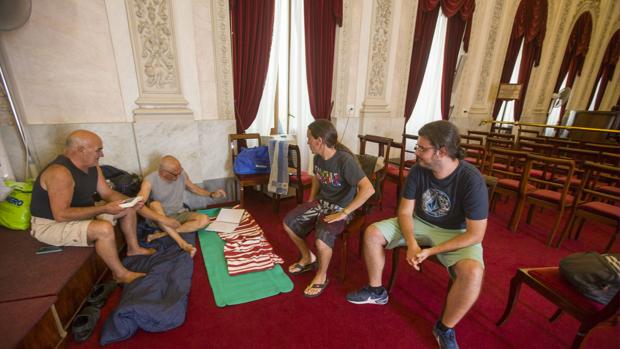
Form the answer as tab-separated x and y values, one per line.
345	211
211	195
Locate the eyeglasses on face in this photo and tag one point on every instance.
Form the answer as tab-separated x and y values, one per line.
422	149
172	173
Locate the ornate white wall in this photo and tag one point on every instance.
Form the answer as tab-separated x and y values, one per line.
153	82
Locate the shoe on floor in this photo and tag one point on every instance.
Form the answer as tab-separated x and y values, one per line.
366	296
84	323
446	339
100	293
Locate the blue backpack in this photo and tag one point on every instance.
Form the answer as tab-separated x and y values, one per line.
252	161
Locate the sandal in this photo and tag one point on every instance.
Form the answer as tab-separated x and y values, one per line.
321	288
300	269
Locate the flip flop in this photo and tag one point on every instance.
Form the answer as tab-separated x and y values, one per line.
321	288
300	269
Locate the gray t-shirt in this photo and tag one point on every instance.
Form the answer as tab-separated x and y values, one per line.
338	178
447	202
170	194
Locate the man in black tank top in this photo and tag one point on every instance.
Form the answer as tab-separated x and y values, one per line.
64	212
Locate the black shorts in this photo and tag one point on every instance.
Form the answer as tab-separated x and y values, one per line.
308	216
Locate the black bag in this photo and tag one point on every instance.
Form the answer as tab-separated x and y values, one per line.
122	181
594	275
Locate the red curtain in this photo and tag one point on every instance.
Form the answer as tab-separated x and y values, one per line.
575	53
460	13
320	20
252	28
529	27
607	68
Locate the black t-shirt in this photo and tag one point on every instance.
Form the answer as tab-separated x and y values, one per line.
338	178
447	202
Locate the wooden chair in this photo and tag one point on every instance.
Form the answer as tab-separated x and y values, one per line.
527	133
498	143
475	154
472	139
298	179
549	192
237	142
400	173
483	134
548	283
603	147
498	128
595	201
383	150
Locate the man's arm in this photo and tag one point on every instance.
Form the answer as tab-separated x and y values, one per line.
200	191
108	194
474	233
405	221
314	190
148	213
364	192
58	182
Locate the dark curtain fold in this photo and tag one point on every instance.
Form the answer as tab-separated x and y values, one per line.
320	20
460	14
252	28
529	29
606	70
575	53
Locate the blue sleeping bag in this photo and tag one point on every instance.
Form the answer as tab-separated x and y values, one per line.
157	302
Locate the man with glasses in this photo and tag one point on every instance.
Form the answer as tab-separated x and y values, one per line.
444	208
64	212
165	188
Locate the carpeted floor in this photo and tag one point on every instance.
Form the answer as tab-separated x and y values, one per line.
292	321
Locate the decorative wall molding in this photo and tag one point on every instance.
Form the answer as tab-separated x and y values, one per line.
374	101
483	90
152	35
410	12
223	57
342	60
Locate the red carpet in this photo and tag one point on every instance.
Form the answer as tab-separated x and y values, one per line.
293	321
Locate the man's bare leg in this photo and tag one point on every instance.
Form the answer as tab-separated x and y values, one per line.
324	254
128	226
307	256
374	255
195	222
184	245
464	291
102	233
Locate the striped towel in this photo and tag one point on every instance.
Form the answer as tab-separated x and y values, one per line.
246	250
278	157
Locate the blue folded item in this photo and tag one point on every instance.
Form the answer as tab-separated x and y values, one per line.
252	161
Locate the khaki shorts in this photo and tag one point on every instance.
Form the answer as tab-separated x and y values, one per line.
428	234
72	233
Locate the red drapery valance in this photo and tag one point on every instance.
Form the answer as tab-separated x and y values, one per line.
320	20
607	68
252	28
460	14
529	27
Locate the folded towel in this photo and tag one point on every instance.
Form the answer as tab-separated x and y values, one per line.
278	156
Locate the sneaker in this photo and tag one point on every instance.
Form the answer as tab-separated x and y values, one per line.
446	339
367	296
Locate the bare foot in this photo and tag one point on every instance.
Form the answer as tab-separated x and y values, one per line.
189	249
128	277
141	251
156	235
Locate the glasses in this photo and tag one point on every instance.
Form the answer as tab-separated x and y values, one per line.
175	175
422	149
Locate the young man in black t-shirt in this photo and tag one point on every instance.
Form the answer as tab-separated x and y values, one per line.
445	207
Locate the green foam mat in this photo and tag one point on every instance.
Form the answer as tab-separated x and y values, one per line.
230	290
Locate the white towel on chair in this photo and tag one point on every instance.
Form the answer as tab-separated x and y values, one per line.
278	156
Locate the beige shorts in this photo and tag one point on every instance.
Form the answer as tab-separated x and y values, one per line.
72	233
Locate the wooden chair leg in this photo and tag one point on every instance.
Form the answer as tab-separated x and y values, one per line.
343	256
555	315
299	194
530	213
582	221
556	225
613	239
515	287
567	231
395	254
516	215
582	332
241	196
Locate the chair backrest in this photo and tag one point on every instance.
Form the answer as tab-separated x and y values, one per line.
472	139
553	169
521	132
612	159
495	142
506	163
538	148
294	160
596	182
603	147
477	133
562	142
406	139
510	137
475	154
531	139
498	128
367	161
579	155
238	141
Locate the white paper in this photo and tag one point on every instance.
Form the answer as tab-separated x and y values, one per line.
230	215
222	227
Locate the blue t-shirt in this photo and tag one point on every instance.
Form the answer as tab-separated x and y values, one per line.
447	202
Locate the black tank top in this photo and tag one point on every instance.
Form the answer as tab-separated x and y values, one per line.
83	191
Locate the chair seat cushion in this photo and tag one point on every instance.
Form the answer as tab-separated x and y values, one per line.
513	184
552	278
473	161
409	163
550	195
499	166
574	181
539	174
609	189
392	171
305	178
601	208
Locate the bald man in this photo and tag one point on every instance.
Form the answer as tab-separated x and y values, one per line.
165	187
64	212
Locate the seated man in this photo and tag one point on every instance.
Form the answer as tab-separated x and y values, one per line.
64	212
444	206
165	187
